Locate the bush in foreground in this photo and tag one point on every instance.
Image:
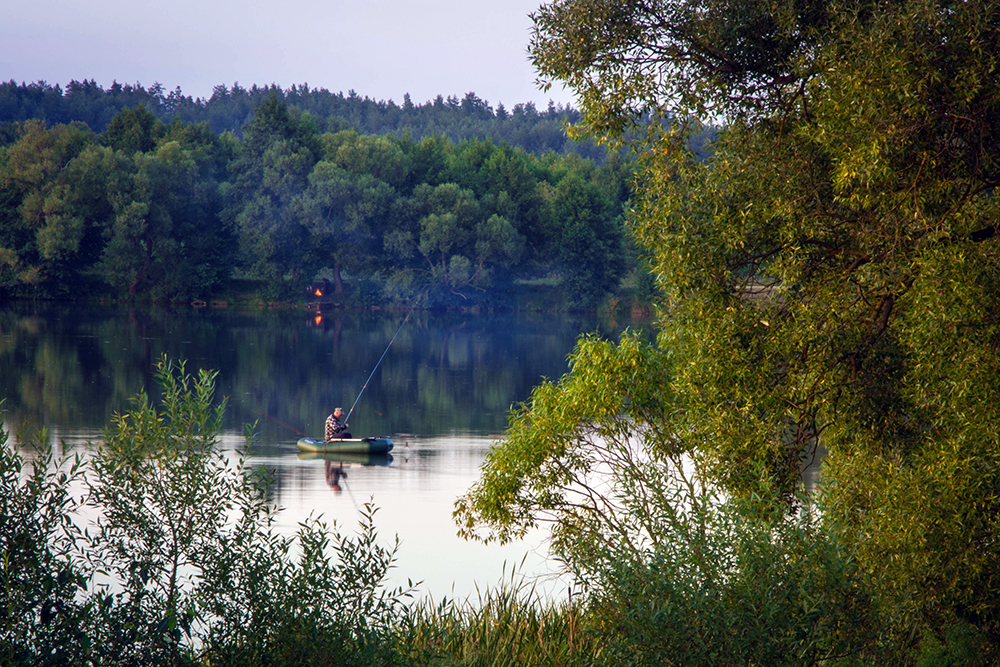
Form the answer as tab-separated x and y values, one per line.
182	566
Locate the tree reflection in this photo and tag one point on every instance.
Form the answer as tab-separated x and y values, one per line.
72	367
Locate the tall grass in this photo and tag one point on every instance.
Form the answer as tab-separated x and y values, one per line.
511	624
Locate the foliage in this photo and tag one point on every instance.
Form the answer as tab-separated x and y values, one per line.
134	130
870	226
829	277
229	108
161	238
52	180
169	212
510	624
451	225
269	171
163	493
962	645
40	613
182	566
462	246
83	217
729	583
562	443
674	572
319	610
589	235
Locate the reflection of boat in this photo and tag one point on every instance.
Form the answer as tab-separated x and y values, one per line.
348	457
346	445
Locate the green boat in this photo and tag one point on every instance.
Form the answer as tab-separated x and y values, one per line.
378	445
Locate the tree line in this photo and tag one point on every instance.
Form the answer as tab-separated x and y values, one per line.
229	108
174	211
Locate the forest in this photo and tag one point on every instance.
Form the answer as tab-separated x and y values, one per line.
129	207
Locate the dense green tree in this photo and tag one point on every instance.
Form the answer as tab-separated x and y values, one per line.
55	180
378	156
466	165
430	158
81	215
272	168
164	239
830	273
167	212
503	179
585	237
460	247
345	215
134	131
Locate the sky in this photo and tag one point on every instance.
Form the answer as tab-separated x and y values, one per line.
381	49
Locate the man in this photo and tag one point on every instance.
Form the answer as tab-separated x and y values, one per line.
334	428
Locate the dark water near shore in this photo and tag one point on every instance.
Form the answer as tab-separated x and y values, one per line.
442	393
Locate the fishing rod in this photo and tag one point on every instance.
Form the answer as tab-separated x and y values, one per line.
377	365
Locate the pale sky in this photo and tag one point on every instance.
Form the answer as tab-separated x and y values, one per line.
379	48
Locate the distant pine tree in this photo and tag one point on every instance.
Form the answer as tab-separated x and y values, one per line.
230	108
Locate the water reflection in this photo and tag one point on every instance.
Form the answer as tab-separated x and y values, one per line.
445	373
446	384
336	465
414	490
334	471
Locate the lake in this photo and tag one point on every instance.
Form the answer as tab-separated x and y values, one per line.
442	393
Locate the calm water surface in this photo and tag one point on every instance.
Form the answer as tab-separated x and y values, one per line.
442	394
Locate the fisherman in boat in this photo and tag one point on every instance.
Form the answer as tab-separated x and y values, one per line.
334	427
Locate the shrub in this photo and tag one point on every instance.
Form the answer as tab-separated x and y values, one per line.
183	566
40	613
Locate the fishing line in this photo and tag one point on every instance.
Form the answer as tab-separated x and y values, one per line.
377	365
280	422
350	493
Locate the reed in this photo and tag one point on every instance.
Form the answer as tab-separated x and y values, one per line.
509	624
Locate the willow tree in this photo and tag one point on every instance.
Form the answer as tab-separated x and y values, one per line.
830	275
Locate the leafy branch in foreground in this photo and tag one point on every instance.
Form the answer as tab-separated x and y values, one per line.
831	274
672	569
40	579
569	439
